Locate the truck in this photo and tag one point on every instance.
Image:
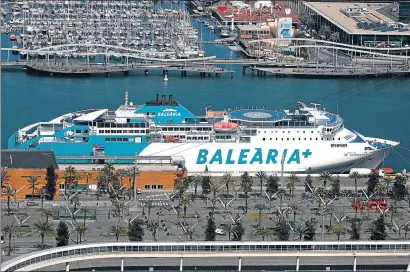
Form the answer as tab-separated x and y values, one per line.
364	172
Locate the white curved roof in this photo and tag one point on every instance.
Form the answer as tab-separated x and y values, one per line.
91	116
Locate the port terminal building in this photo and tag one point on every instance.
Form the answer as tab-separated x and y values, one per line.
362	24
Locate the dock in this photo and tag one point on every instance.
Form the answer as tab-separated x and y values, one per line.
82	68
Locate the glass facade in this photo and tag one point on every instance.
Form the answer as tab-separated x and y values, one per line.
404	11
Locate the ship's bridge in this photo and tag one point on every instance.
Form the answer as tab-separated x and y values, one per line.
164	112
257	115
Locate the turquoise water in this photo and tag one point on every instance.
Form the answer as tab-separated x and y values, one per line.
376	107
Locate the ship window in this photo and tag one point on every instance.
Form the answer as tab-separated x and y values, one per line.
263	139
283	131
101	131
311	139
297	131
270	139
322	139
304	131
293	138
118	131
147	186
188	138
164	129
338	139
276	139
288	131
316	139
333	139
77	131
107	139
287	139
282	139
113	139
299	139
304	139
107	131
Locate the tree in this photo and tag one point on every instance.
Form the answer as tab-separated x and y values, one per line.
308	184
47	213
325	31
295	208
339	230
325	177
88	176
133	172
194	180
10	192
215	186
272	184
122	173
185	202
378	229
44	228
246	187
320	192
32	184
238	232
51	178
136	231
355	175
63	235
262	176
156	226
118	230
335	37
260	208
301	230
335	190
264	232
85	210
11	231
399	188
227	180
206	183
354	231
80	229
210	230
69	176
229	228
372	182
310	229
291	181
282	230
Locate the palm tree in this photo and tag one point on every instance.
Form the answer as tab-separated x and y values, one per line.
118	230
80	229
325	177
44	229
47	213
264	232
215	186
281	193
33	183
87	176
227	180
355	175
85	210
11	231
133	172
10	192
122	173
295	208
229	228
194	180
246	187
260	208
292	180
185	202
262	176
69	176
320	192
339	230
301	230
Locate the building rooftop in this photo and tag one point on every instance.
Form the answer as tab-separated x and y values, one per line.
27	159
368	22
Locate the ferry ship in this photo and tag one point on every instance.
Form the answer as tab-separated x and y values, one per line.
306	139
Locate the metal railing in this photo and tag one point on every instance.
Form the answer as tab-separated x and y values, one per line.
209	249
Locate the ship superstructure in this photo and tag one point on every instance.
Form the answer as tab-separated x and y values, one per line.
308	139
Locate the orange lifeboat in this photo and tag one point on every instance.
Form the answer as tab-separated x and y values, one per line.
13	37
225	126
171	139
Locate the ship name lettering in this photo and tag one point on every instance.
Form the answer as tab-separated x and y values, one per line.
248	156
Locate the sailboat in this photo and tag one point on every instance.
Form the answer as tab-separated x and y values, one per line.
166	77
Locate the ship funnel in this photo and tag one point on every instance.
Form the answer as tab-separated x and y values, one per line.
157	100
170	99
164	99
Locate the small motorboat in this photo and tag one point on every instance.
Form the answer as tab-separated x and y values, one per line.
166	77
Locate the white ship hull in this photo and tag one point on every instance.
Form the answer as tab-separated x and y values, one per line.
296	157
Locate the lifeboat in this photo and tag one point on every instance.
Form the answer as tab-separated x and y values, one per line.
13	37
171	139
225	126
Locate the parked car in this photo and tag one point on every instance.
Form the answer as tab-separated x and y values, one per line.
139	191
220	232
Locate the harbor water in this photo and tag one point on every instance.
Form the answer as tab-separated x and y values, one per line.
376	107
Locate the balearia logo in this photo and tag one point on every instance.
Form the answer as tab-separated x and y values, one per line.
169	112
251	156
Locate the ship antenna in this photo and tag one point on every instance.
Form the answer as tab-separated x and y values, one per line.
126	97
